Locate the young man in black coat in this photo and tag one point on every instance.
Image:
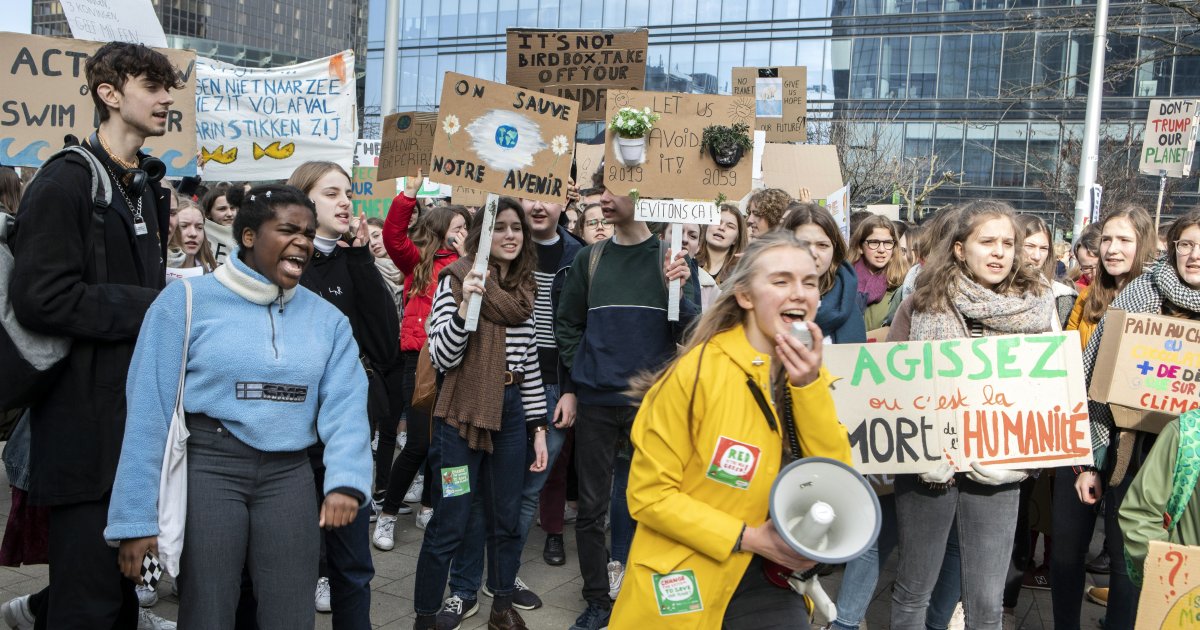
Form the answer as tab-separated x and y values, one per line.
64	284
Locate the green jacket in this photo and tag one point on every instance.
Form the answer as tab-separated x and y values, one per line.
1144	515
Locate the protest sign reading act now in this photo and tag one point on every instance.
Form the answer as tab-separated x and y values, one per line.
46	97
1170	138
577	64
503	140
1015	401
256	124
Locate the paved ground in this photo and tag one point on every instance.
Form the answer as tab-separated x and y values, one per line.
391	603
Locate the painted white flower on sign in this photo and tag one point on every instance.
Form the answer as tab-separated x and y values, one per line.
560	145
506	140
450	125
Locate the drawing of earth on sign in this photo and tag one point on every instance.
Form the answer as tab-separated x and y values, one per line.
506	140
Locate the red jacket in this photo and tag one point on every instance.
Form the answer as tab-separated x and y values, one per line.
405	254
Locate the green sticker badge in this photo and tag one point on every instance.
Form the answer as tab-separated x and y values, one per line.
677	593
455	482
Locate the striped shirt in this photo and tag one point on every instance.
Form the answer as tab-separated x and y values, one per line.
448	343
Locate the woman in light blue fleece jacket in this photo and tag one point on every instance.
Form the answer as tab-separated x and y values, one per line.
271	369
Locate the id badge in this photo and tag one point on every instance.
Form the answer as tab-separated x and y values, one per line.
139	227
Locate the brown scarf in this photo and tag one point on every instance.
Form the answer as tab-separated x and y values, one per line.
474	403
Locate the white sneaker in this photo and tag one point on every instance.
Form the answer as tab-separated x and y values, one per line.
147	596
150	621
414	491
958	621
384	537
423	517
616	575
401	440
16	613
322	597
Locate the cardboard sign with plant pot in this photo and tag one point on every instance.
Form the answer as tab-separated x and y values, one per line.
727	143
632	126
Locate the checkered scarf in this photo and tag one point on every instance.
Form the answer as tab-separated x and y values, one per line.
1145	294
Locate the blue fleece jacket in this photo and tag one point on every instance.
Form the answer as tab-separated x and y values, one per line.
278	368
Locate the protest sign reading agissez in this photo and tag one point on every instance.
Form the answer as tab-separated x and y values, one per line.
1014	401
256	124
46	97
503	140
580	65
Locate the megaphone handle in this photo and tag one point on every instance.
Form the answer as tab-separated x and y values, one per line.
808	575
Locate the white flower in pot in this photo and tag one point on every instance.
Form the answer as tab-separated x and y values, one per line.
630	128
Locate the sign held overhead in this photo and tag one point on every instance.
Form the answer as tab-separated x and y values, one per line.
115	21
780	100
1170	139
407	144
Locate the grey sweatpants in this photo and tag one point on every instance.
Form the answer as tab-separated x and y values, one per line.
246	508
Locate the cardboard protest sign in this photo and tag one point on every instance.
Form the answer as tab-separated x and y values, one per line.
1147	369
1015	401
407	144
46	97
503	140
780	100
878	335
1170	138
1170	598
371	198
429	189
587	159
469	197
791	167
257	124
677	211
115	21
675	166
838	204
579	65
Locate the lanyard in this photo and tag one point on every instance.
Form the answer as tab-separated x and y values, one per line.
789	423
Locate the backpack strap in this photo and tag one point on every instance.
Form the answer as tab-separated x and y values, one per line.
593	262
101	192
1187	471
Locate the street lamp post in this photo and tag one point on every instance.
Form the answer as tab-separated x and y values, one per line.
1091	129
391	43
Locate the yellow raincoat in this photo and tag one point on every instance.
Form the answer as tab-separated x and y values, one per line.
692	485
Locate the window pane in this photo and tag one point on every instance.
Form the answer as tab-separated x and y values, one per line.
1048	71
427	95
893	59
864	72
684	11
569	14
1154	75
1018	65
947	147
429	19
593	14
787	9
1121	50
1187	71
733	11
866	7
956	49
636	12
784	54
758	54
918	140
977	155
839	57
468	12
548	14
705	75
660	13
759	10
1010	155
449	21
1043	161
731	55
614	13
485	68
924	71
985	65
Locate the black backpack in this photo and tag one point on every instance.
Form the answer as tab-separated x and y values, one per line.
28	360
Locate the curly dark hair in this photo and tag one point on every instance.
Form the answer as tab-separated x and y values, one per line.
260	204
117	62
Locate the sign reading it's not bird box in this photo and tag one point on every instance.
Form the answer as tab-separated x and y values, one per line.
503	140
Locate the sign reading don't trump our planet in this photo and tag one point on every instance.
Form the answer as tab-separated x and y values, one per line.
503	140
1015	401
258	124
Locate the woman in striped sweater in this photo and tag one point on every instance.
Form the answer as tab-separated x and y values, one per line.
491	398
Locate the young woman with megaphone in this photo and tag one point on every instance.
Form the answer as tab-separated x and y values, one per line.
709	440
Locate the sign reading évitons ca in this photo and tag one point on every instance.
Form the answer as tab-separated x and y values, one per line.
1015	401
503	140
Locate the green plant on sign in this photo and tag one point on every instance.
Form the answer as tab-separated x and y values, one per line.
726	143
634	123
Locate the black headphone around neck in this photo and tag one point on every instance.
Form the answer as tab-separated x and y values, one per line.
149	168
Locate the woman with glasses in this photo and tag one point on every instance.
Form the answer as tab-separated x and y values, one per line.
1087	257
592	226
879	269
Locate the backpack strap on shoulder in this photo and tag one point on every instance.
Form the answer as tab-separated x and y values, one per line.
593	262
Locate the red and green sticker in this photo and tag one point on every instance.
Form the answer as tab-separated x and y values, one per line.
677	593
733	463
456	481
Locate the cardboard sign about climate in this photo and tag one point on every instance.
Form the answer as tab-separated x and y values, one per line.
780	100
503	140
407	144
578	65
256	124
46	97
1015	401
1147	369
1170	597
675	166
1170	137
371	198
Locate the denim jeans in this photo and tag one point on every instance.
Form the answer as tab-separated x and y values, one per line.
498	477
861	577
598	435
1072	522
467	569
348	554
985	517
621	522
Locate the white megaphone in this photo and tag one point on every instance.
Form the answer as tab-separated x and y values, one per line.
825	510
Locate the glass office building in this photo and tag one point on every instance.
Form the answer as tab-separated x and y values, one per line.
993	89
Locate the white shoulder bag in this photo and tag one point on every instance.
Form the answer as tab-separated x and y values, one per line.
172	486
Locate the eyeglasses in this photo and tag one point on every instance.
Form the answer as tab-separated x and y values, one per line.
1184	248
880	245
592	223
1087	268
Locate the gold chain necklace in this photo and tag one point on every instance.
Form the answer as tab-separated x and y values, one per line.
104	145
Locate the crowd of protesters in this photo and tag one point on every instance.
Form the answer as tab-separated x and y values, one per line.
298	337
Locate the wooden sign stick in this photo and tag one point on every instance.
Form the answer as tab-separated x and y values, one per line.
673	288
481	257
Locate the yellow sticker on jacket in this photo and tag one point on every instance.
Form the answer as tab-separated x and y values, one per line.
733	463
677	593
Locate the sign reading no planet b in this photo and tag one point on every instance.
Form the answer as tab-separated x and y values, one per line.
258	124
503	140
1015	401
1170	137
780	100
46	97
578	65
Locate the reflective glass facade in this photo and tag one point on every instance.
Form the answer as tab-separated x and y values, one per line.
994	89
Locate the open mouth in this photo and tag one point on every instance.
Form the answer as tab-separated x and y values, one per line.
160	116
293	266
793	315
995	268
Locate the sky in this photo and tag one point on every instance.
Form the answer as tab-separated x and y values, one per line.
17	19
